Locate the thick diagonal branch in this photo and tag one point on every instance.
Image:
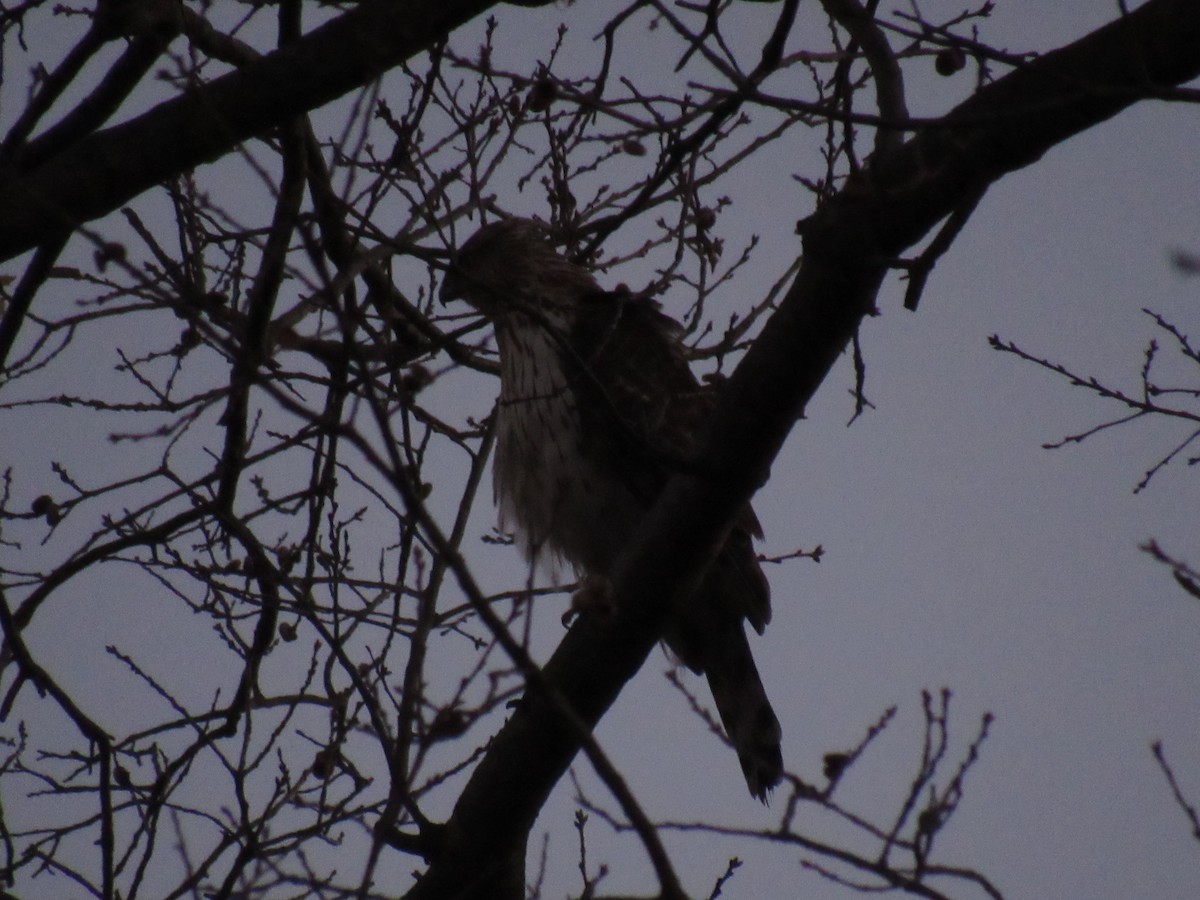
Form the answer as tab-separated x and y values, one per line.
847	246
98	173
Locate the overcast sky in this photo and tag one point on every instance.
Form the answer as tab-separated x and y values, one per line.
959	553
962	554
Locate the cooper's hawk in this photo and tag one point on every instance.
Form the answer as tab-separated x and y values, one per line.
597	407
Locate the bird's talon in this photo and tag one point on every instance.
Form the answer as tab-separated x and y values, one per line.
594	596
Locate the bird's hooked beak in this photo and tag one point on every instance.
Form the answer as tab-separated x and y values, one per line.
452	285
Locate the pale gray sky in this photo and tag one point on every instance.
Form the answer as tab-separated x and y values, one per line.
959	553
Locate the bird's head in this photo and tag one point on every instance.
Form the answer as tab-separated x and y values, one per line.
510	265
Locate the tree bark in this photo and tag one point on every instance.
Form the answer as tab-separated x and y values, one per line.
106	169
848	245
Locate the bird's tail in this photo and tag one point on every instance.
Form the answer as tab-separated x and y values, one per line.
746	712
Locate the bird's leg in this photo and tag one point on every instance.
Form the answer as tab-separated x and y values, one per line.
594	596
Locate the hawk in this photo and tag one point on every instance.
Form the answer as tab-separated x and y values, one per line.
597	408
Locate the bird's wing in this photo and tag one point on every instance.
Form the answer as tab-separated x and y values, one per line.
640	398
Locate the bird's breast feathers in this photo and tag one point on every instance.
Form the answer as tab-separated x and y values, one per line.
551	490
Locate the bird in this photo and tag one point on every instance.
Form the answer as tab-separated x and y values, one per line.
598	407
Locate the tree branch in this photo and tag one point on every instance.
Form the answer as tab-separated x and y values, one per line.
847	243
105	169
